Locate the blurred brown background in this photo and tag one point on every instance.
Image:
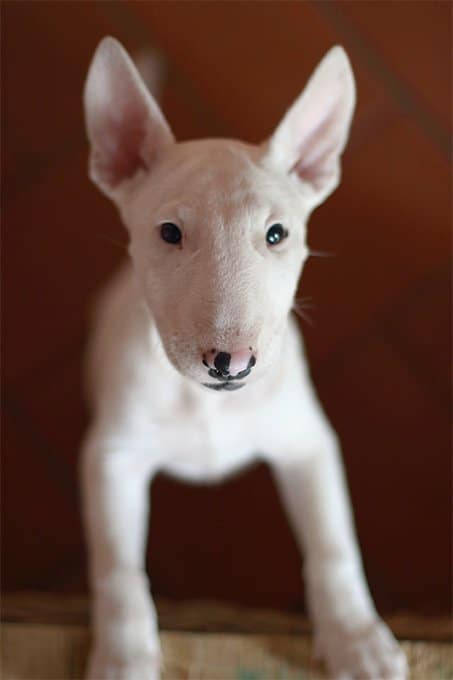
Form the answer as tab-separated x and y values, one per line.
380	345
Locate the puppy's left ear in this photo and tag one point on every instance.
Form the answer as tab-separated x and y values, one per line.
309	141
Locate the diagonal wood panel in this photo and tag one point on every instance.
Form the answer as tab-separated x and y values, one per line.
414	40
40	521
423	333
396	445
387	231
56	235
249	60
48	47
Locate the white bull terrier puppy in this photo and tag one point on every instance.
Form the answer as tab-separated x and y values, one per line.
196	367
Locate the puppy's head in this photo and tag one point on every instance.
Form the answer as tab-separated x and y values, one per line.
217	227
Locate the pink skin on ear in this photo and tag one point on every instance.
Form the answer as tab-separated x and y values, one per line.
120	159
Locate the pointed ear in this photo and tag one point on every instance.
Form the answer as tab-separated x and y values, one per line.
312	135
125	126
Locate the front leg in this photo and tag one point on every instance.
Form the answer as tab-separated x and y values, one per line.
115	484
349	635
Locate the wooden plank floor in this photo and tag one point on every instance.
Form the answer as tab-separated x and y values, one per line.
45	637
39	652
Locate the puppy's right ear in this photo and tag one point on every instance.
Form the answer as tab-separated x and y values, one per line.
126	129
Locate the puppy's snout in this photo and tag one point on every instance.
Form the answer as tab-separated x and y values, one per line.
229	365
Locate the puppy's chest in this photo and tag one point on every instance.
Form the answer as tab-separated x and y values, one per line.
198	441
200	448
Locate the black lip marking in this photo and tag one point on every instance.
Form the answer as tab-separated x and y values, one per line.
227	386
242	374
221	371
213	373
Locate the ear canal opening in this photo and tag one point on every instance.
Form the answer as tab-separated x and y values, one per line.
313	165
121	156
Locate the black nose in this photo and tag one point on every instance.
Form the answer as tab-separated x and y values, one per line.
226	367
222	363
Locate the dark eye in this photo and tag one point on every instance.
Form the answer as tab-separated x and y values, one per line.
170	232
275	234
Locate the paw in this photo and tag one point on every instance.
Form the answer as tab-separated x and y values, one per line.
108	665
369	652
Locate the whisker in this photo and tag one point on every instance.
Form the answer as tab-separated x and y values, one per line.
104	237
194	255
300	308
321	253
305	302
305	306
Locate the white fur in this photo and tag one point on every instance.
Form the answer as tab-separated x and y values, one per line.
224	288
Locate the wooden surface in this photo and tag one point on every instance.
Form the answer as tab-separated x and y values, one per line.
40	652
46	636
205	616
380	345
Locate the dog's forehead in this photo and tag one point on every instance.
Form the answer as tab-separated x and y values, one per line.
223	176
